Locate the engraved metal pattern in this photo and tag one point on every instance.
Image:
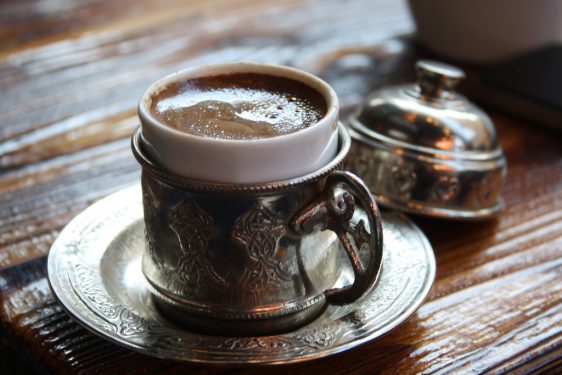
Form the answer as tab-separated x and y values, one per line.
234	256
245	271
445	190
403	179
257	231
194	228
95	272
151	216
415	181
122	321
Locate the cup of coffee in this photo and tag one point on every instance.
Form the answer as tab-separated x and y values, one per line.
245	207
233	123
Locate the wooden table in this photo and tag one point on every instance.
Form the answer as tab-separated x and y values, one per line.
70	75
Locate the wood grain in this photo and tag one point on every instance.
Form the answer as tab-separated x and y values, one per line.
70	77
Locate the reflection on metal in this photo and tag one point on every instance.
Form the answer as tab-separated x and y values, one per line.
92	263
224	258
425	149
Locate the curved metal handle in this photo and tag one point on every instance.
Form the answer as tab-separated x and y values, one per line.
334	210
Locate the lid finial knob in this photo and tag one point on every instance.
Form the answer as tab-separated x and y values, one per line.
435	77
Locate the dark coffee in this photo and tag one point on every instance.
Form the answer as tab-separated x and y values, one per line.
239	106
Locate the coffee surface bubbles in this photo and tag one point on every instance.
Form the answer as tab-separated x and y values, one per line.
239	106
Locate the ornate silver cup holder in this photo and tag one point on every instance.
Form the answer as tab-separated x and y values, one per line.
94	268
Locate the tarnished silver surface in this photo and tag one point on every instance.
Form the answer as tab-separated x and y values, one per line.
94	268
256	259
425	149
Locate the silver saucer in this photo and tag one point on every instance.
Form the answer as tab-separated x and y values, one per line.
95	272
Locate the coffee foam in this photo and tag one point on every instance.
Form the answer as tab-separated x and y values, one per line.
239	106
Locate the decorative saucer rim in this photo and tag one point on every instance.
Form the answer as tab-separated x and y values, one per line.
338	329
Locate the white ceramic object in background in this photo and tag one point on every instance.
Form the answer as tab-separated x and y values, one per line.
482	31
241	161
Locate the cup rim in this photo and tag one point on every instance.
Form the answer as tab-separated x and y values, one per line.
162	173
207	70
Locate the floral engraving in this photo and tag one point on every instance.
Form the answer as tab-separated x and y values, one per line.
300	342
257	232
445	190
122	321
364	162
194	228
312	340
485	190
403	180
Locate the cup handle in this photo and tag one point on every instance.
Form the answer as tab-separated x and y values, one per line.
333	210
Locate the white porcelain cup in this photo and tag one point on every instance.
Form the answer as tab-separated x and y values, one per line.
248	161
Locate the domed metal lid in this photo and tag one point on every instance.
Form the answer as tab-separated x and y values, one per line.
425	149
428	115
